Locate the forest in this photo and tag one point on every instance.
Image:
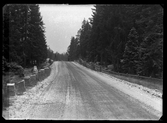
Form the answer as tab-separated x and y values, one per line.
24	41
130	37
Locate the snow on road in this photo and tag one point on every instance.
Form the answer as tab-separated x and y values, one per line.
22	103
145	95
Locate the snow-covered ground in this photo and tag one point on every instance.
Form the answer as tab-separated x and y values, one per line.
21	103
145	95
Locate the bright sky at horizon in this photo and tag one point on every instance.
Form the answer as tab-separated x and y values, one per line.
61	22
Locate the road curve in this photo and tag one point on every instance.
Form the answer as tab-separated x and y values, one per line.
75	94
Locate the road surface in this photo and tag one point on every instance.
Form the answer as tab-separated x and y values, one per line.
74	93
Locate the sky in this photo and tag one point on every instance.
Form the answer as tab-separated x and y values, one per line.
61	22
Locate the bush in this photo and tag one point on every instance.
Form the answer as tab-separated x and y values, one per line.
16	69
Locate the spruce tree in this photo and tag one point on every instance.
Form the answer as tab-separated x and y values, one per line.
131	54
37	42
23	34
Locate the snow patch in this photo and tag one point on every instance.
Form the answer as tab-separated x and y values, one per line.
145	95
21	104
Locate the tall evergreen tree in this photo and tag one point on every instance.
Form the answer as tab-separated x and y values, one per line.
50	54
84	39
72	49
23	34
128	36
131	54
37	40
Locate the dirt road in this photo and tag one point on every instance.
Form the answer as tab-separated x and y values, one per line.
74	92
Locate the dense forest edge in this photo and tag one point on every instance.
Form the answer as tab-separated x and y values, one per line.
24	42
23	37
128	37
125	41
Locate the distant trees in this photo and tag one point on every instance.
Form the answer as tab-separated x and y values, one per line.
23	35
50	54
61	56
73	49
128	36
83	39
79	46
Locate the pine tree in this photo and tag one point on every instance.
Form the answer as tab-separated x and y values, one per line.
23	34
50	54
72	49
36	40
15	33
151	24
152	56
128	36
131	54
83	39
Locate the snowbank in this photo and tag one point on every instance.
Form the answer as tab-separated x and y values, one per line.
145	95
21	104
